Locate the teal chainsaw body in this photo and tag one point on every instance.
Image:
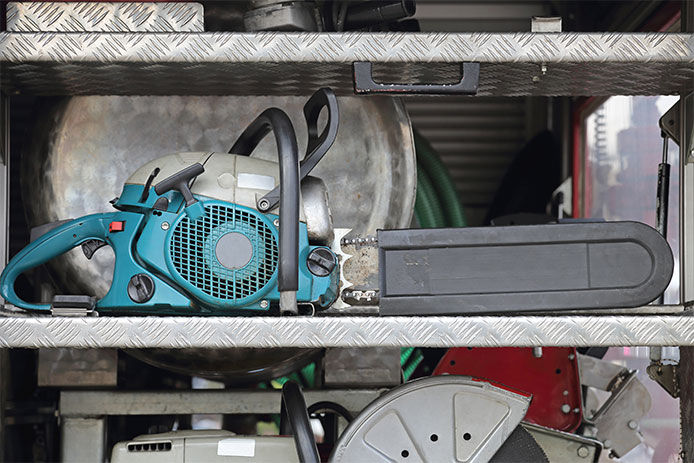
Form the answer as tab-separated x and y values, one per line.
197	242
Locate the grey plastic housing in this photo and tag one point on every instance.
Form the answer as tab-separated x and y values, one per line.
586	265
204	446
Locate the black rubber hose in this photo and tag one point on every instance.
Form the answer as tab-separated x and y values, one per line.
277	121
333	407
294	420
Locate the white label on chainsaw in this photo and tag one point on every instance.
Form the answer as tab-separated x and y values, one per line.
236	447
256	181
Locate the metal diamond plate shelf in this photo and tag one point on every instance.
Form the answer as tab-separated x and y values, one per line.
269	332
298	63
104	17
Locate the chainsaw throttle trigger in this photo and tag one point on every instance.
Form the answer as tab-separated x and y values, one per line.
180	182
91	246
317	145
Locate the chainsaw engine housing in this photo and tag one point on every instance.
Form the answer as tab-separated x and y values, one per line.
228	257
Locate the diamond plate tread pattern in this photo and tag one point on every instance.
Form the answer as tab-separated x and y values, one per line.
312	332
297	64
104	17
349	47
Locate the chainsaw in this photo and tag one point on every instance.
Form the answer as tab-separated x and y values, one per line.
466	420
225	233
208	238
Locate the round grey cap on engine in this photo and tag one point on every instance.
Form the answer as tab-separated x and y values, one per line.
234	250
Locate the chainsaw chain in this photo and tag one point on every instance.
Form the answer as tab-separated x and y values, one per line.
354	296
360	297
359	241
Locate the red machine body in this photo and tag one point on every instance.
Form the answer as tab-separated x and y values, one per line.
552	378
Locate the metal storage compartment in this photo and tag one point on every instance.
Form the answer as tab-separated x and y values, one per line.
523	64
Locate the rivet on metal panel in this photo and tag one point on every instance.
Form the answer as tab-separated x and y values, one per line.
582	451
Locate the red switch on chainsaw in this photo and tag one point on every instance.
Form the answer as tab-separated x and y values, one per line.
118	226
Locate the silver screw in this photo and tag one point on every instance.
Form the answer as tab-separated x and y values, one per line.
566	408
543	69
537	352
607	443
264	304
276	222
565	392
263	204
165	225
632	424
582	451
572	356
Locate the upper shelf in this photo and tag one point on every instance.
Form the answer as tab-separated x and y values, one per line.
517	64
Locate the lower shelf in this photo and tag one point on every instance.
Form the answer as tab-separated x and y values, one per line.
348	331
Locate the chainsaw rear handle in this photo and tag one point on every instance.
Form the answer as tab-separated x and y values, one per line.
317	145
52	244
277	121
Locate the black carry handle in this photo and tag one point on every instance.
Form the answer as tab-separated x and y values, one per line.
277	121
294	420
179	181
365	84
317	145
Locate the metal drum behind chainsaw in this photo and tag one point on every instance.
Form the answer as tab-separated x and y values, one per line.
82	149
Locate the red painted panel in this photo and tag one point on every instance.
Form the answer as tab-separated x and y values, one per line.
552	379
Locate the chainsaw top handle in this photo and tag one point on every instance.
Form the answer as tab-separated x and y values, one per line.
317	145
53	243
277	121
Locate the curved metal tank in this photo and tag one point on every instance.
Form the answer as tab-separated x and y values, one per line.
82	149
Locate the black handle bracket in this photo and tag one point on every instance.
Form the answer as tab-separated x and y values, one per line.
179	181
364	83
317	144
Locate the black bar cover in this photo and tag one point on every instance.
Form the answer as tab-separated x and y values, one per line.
586	265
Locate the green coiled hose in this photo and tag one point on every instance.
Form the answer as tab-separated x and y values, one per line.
439	178
427	208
